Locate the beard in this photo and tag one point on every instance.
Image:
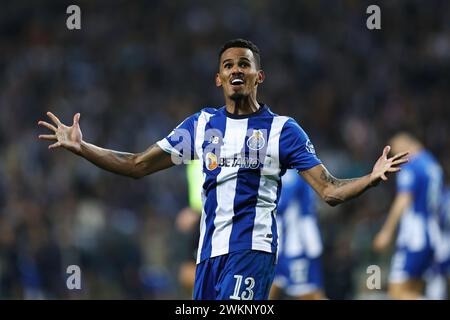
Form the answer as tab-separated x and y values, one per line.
238	96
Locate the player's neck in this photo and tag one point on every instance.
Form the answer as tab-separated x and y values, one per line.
246	105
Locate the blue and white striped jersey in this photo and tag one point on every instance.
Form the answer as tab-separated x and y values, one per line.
444	212
298	228
443	248
422	177
243	159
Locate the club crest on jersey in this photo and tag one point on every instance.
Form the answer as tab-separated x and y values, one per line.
256	140
211	161
310	147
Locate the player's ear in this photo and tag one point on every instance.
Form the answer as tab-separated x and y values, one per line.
218	81
261	77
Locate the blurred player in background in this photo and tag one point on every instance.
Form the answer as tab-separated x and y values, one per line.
245	148
415	207
298	273
443	250
187	223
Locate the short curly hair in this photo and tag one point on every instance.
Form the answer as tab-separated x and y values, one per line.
242	43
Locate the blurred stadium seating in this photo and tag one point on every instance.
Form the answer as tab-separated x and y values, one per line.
137	68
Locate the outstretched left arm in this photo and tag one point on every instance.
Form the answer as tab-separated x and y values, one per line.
335	191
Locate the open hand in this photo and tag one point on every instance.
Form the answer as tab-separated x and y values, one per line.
385	165
64	136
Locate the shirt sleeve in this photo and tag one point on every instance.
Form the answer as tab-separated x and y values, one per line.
296	149
405	180
180	143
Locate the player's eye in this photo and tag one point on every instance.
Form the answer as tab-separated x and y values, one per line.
227	65
244	64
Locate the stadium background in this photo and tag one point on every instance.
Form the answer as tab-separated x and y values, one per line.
137	68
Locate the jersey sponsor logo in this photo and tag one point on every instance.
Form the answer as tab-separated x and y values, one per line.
211	161
310	147
256	140
241	162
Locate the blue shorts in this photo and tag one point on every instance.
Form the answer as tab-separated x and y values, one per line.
240	275
299	275
407	264
444	267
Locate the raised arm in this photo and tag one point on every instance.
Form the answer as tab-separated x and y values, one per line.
135	165
335	191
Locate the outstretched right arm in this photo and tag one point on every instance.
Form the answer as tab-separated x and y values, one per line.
135	165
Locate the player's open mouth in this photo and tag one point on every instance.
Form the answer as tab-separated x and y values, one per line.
237	82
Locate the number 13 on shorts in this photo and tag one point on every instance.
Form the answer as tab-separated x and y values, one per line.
246	293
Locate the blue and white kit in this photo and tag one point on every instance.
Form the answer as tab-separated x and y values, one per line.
443	248
299	269
418	233
243	159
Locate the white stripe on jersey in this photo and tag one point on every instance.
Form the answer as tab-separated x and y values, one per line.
272	160
199	138
233	142
311	235
202	226
301	233
268	187
252	229
293	245
200	133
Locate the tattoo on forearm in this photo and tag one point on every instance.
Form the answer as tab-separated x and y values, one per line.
326	176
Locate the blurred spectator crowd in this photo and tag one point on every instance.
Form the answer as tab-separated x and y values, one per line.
138	68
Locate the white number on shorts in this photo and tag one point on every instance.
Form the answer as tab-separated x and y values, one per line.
250	282
248	293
